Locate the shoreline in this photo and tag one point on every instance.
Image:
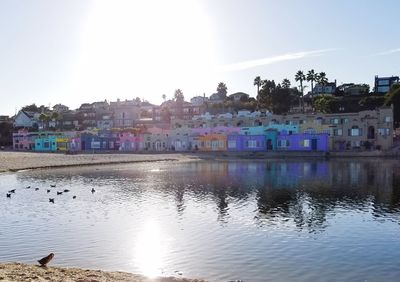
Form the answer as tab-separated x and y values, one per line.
26	272
13	161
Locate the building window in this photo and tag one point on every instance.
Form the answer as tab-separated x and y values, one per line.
306	143
388	119
338	132
232	144
355	131
383	131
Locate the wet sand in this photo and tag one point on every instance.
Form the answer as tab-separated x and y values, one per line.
14	161
24	272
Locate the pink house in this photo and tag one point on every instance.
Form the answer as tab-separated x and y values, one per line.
129	142
24	140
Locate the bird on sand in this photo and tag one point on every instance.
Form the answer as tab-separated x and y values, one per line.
44	261
59	193
8	195
11	191
93	190
51	200
52	185
36	189
73	197
66	190
27	187
48	190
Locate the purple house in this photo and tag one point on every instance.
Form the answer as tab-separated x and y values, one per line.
303	142
238	142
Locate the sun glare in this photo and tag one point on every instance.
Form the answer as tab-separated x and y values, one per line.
150	249
144	49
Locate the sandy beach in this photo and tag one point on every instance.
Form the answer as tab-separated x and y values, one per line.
14	161
24	272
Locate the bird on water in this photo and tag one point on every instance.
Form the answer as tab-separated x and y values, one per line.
44	261
51	200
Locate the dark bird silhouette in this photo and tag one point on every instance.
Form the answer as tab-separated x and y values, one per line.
51	200
36	189
48	190
66	190
27	187
52	185
44	261
8	195
59	193
11	191
93	190
73	197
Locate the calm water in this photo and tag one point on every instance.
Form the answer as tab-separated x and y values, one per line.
254	221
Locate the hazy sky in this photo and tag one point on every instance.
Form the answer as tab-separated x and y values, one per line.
77	51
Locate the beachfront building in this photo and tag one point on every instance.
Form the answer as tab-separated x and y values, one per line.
24	140
302	142
129	141
211	142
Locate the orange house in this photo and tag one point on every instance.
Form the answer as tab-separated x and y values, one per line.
212	142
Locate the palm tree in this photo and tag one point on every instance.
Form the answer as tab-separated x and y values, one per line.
257	82
301	77
311	76
222	89
285	83
178	95
43	117
321	78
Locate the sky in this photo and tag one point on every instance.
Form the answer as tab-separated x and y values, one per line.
77	51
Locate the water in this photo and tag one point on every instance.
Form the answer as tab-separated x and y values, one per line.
253	221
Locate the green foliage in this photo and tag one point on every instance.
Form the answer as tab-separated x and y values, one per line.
285	83
276	98
222	89
325	104
6	130
393	98
178	95
36	109
371	102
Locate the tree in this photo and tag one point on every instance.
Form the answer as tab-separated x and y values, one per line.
285	83
43	118
222	89
55	117
164	97
325	104
301	77
311	76
257	82
275	97
178	95
393	98
321	78
31	108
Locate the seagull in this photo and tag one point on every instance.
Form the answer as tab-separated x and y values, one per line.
27	187
66	190
48	190
53	185
44	261
73	197
59	193
11	191
36	189
8	195
51	200
93	190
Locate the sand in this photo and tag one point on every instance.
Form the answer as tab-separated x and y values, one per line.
14	161
24	272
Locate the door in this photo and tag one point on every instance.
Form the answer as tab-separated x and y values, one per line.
314	144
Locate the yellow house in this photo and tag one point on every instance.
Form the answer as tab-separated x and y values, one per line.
62	144
212	142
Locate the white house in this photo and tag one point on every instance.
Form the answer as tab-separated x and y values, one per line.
25	119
